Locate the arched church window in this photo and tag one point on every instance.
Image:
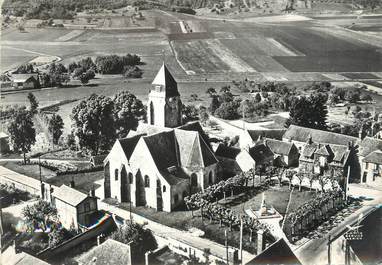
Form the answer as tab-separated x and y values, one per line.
194	180
164	188
130	178
210	177
116	173
147	181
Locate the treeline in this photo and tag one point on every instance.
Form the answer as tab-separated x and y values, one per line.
64	9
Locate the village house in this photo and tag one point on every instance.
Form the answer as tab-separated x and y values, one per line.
286	154
234	160
372	168
74	208
261	153
163	161
109	252
25	81
366	147
325	153
249	137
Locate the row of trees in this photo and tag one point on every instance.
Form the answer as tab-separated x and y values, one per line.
207	202
313	211
99	120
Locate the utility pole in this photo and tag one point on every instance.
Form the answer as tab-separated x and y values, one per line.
226	245
131	219
329	246
241	240
347	184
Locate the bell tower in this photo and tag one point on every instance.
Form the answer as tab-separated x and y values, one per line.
164	107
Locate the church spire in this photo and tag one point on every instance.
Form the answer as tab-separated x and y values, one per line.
165	82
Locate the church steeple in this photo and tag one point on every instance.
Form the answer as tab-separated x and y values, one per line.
164	105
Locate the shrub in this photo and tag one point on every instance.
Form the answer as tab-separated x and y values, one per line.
132	72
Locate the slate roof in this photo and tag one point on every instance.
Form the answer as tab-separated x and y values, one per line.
195	126
279	147
259	152
374	157
341	153
302	134
227	151
324	150
162	148
166	81
368	145
277	253
271	134
22	78
69	195
128	144
109	252
309	149
25	259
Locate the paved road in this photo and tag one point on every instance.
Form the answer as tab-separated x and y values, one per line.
315	251
43	159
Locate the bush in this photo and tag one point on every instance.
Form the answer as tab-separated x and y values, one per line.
132	72
114	64
228	110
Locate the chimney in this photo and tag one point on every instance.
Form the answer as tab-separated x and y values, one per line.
260	241
92	192
72	184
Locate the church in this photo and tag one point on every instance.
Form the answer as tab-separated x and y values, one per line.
163	161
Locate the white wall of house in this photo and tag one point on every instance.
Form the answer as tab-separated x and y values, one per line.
67	214
371	173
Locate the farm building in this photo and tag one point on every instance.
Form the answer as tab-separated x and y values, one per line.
74	208
234	160
261	153
157	166
4	143
25	81
372	168
368	146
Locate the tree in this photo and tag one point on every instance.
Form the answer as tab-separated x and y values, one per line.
214	104
189	113
33	103
84	78
128	110
55	127
94	123
228	110
25	69
132	72
211	91
203	115
141	240
309	112
22	133
300	177
39	215
57	236
366	97
257	97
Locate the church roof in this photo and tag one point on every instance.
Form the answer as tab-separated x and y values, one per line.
195	126
128	144
227	151
167	81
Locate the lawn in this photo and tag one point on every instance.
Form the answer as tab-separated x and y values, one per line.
32	171
84	182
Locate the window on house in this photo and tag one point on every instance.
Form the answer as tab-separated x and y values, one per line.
176	198
164	188
147	181
116	173
367	165
130	178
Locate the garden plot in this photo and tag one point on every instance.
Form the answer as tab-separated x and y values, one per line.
71	35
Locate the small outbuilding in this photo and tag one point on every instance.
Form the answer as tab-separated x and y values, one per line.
74	208
25	81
